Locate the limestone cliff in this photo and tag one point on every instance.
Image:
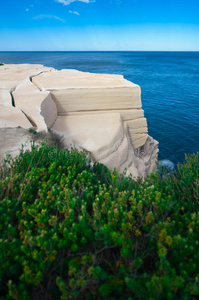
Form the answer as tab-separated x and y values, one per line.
98	112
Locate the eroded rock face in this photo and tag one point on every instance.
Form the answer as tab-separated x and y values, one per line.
37	105
11	141
103	135
12	117
11	75
5	97
75	91
98	112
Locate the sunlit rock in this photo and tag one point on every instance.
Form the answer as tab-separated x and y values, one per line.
13	74
38	106
5	97
11	141
103	135
98	112
75	91
12	117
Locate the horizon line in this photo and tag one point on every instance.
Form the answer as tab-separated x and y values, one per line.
12	51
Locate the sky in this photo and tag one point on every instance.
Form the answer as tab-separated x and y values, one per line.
99	25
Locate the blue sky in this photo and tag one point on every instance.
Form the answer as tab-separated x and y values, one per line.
99	25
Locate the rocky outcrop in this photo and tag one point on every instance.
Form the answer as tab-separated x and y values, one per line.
103	135
11	141
11	75
37	105
75	91
98	112
13	117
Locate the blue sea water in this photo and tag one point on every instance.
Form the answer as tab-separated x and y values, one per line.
169	82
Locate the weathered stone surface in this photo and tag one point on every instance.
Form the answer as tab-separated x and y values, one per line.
99	112
104	136
12	117
85	99
11	75
128	114
137	123
96	133
148	153
139	130
11	141
73	79
138	140
5	98
38	106
78	91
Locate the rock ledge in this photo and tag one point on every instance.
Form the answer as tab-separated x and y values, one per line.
98	112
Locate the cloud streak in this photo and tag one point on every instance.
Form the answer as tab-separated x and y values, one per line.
67	2
40	17
74	12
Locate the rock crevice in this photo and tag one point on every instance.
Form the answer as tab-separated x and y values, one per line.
98	112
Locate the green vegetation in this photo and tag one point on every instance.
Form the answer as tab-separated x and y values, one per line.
69	230
1	64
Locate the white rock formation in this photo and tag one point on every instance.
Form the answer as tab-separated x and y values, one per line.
11	141
38	106
103	135
11	75
12	117
75	91
5	98
98	112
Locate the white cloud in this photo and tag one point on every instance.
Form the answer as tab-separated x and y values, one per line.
67	2
40	17
74	12
27	9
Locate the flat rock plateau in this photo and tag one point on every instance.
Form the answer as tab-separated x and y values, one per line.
98	112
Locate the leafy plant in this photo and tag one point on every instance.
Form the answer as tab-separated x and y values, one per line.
69	230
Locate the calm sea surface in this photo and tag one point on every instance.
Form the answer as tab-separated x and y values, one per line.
169	82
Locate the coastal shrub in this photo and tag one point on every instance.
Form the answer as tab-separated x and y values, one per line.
42	136
70	230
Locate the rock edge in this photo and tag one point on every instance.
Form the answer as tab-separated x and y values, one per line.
98	112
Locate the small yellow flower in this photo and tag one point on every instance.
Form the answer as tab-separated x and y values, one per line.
137	232
169	240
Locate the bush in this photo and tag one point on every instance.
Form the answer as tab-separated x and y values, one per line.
69	230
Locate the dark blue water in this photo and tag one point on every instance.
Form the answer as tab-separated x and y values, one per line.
169	83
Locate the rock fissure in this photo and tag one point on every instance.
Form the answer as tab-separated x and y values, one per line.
98	112
12	99
29	119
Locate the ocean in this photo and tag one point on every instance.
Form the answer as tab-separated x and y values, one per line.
169	83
